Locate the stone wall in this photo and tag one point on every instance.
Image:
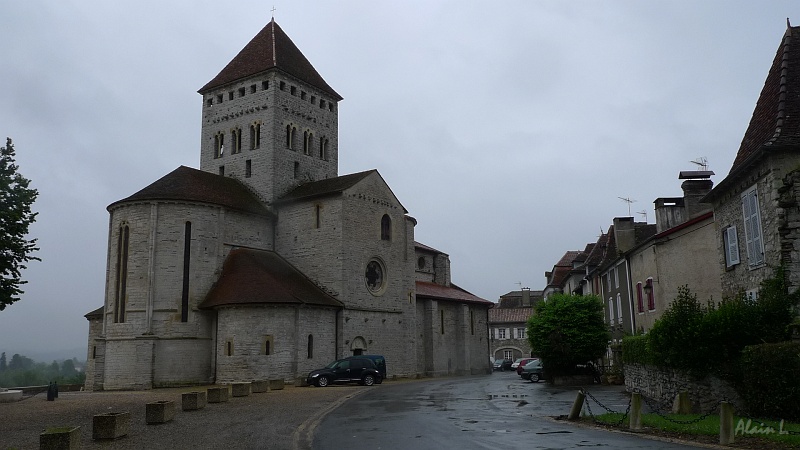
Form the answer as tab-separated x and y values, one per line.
662	385
241	353
272	109
789	227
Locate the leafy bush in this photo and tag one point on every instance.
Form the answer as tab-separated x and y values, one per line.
769	384
568	330
635	350
702	339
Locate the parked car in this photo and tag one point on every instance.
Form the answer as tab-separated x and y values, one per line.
515	364
522	362
348	370
502	364
533	371
380	364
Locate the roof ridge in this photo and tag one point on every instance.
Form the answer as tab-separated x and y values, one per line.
781	113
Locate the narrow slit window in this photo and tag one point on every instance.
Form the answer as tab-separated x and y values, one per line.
187	256
122	274
386	228
310	346
248	168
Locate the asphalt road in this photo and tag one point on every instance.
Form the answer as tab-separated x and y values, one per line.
476	412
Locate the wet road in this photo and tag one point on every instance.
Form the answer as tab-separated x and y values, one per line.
477	412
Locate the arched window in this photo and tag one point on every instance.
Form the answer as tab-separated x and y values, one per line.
309	143
305	143
254	129
290	136
323	149
219	145
386	228
236	140
310	346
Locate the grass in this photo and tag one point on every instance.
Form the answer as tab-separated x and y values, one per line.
709	426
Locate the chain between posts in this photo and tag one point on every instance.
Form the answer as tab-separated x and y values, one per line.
589	408
657	409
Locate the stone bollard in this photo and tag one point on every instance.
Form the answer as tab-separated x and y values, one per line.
111	425
276	385
635	418
240	389
191	401
51	393
259	386
60	438
575	412
726	430
159	412
682	405
217	394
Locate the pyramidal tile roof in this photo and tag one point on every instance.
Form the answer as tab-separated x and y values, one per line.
776	117
271	48
252	276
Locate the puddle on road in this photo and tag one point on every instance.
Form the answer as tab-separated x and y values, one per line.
509	396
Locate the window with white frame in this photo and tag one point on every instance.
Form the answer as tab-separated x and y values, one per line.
508	354
752	227
619	309
501	333
616	276
611	311
731	243
520	333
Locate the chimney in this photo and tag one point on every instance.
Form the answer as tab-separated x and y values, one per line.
526	296
693	191
669	213
624	233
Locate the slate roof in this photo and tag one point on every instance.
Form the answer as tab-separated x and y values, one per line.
562	268
321	188
330	186
510	315
96	314
252	277
776	117
271	48
426	289
426	248
187	184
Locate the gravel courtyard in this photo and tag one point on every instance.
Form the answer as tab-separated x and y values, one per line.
280	419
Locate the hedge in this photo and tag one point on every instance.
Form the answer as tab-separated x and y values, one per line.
770	383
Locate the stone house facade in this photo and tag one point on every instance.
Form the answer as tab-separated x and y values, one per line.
508	323
265	263
755	203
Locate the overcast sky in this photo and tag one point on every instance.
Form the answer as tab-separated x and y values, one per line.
509	130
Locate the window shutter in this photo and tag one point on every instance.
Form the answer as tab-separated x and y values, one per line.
752	228
731	247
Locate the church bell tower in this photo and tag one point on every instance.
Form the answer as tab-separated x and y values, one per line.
269	119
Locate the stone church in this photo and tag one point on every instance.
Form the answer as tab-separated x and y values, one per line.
265	262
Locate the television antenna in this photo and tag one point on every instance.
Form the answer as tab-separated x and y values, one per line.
702	162
643	213
628	201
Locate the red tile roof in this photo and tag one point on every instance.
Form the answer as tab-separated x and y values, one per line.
187	184
510	315
252	277
454	293
776	117
270	49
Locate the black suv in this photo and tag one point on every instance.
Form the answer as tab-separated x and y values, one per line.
360	370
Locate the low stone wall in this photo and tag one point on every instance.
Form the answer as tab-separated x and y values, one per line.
662	385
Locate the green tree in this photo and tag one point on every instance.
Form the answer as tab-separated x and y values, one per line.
3	363
568	330
16	216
